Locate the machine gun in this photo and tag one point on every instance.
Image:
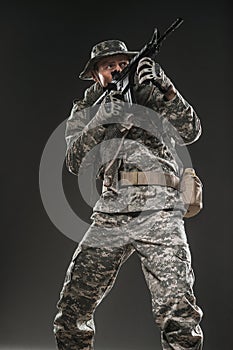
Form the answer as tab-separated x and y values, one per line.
123	81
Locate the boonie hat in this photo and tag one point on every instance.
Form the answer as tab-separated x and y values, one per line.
104	49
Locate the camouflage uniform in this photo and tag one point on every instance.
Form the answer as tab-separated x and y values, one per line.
145	219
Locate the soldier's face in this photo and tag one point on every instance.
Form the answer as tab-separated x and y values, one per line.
108	65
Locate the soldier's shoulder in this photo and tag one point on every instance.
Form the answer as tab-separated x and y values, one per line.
92	93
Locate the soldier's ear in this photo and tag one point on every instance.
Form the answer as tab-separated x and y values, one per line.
95	76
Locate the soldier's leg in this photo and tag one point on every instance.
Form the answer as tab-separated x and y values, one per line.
166	263
89	278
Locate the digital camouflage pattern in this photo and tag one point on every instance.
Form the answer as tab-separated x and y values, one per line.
158	237
83	132
132	219
103	49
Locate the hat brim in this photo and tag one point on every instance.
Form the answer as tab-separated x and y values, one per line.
86	73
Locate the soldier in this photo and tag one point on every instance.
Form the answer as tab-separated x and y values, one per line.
137	210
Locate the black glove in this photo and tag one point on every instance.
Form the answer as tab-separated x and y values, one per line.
150	72
112	105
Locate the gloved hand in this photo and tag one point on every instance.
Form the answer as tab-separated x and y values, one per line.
150	72
112	105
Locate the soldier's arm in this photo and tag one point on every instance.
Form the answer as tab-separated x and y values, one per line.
82	134
172	106
180	114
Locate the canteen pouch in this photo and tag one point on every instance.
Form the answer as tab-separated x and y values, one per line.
191	192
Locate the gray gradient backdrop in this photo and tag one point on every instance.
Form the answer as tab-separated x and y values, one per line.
44	45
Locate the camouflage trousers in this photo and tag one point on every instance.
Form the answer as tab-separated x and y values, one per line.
159	239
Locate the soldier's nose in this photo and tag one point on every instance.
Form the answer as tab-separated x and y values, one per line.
115	73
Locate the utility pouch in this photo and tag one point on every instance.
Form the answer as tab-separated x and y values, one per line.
191	192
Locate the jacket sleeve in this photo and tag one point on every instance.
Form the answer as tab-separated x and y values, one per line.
82	134
178	112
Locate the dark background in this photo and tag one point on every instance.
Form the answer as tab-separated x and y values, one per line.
44	46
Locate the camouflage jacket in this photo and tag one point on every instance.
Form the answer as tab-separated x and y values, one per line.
151	151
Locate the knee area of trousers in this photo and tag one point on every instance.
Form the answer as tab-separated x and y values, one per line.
177	309
63	323
67	324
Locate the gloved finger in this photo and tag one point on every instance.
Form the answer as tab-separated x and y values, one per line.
145	62
147	77
144	72
112	105
117	109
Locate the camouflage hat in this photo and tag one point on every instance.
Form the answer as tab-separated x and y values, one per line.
104	49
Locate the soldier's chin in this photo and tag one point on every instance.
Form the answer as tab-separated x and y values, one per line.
107	82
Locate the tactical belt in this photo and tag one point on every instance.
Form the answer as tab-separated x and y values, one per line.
148	178
189	185
132	178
